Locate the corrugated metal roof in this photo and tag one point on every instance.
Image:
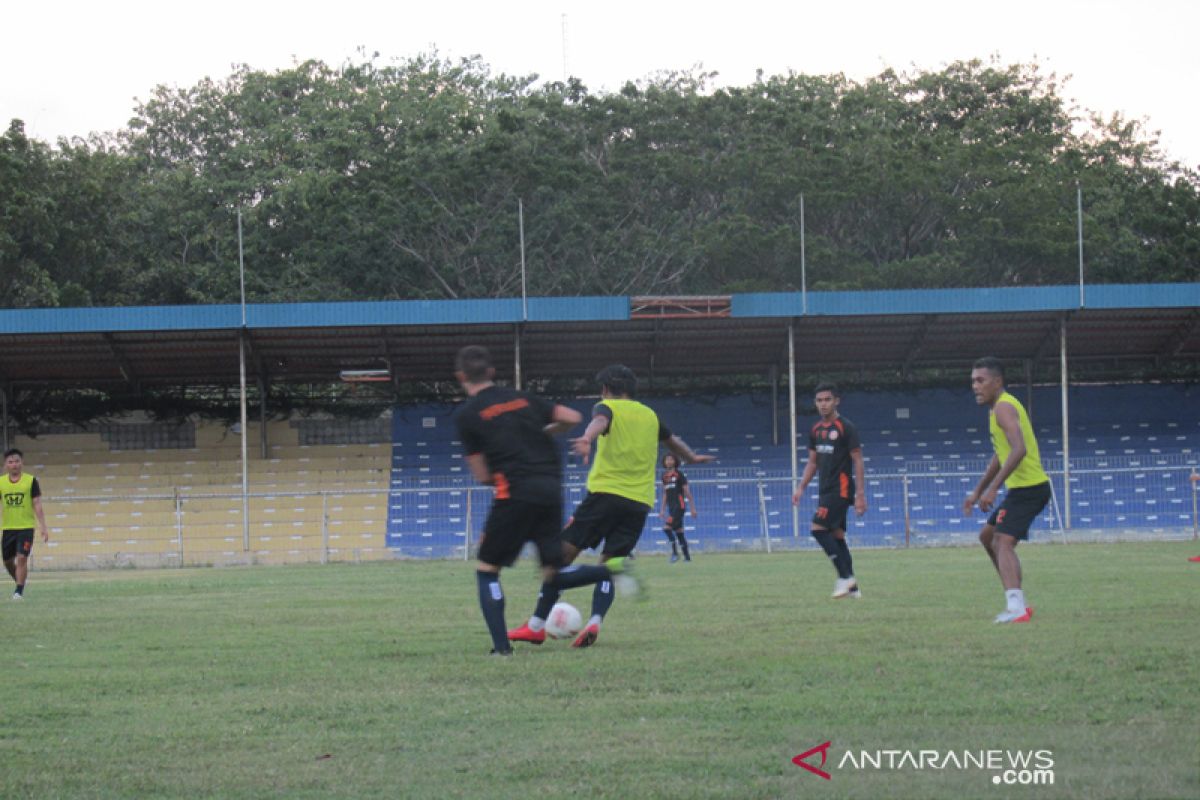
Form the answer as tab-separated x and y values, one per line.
574	337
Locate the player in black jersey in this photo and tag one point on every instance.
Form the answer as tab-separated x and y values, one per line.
834	449
508	438
677	499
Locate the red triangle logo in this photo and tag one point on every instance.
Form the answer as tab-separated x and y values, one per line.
823	749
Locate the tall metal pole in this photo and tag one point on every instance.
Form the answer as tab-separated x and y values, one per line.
1066	426
4	415
792	420
803	262
521	226
1079	217
242	394
775	404
1195	515
517	358
565	73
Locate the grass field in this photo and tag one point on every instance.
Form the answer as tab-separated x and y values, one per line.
372	681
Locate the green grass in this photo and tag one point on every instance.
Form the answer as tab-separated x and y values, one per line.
371	681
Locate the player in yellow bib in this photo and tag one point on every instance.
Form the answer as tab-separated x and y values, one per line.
1017	465
620	494
20	512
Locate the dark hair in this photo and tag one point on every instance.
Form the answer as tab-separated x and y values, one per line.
826	386
618	379
992	365
474	362
12	451
670	455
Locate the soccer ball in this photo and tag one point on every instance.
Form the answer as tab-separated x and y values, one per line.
564	621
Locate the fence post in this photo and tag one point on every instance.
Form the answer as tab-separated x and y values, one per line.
907	528
467	528
179	524
1195	518
324	527
762	516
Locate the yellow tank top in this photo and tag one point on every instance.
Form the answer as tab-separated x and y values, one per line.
1029	472
16	503
627	454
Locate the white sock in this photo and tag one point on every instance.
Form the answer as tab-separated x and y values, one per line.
536	624
1016	599
595	620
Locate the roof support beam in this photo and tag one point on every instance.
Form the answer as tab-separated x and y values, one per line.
1175	343
389	358
123	364
918	341
1050	340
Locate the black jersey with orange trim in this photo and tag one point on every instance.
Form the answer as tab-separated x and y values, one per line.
833	442
507	428
673	481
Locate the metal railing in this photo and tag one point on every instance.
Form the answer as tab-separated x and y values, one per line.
739	508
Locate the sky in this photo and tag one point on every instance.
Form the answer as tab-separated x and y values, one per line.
69	68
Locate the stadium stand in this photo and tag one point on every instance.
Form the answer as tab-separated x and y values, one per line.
340	490
183	505
1132	449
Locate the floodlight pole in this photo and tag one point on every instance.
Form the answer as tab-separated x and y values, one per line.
792	420
803	263
242	393
524	294
1066	425
521	227
1079	225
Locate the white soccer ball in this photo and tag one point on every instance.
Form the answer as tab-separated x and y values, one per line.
564	621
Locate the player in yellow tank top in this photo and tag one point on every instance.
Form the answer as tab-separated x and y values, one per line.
20	512
626	435
1017	464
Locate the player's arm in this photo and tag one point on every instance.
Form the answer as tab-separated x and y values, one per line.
860	480
562	419
1010	424
582	446
480	471
684	453
41	518
810	469
984	482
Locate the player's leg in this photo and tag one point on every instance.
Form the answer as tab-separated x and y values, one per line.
1013	519
987	535
626	518
1009	567
8	550
499	547
679	534
491	603
578	536
669	532
830	517
21	574
845	559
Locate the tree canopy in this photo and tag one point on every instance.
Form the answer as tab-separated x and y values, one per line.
398	181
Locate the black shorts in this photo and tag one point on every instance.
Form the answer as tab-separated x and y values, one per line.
674	519
617	521
512	523
1020	508
16	543
831	512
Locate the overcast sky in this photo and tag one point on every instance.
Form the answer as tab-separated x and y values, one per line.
68	68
